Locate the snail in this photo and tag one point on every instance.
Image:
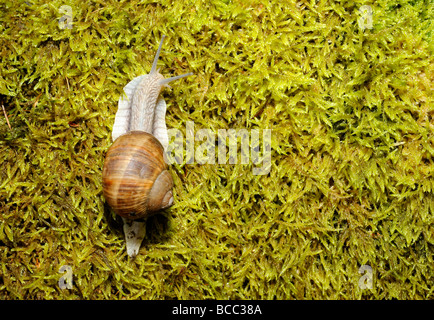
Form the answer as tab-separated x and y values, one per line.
136	182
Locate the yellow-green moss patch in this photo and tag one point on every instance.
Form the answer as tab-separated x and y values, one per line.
351	180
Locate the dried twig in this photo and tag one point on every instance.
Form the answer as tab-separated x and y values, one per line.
67	83
37	100
6	116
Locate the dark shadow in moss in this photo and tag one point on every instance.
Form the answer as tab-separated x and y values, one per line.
157	226
114	222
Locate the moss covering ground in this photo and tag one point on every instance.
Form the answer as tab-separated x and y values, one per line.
351	180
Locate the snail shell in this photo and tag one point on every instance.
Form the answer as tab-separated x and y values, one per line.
136	182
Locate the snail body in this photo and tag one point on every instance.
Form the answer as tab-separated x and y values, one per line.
136	182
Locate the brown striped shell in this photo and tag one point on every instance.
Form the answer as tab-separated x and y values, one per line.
135	177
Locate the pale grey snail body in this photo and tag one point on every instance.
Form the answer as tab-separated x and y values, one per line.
135	177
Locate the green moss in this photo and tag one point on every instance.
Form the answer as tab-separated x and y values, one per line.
351	180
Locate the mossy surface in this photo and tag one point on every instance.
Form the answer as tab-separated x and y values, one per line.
351	180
